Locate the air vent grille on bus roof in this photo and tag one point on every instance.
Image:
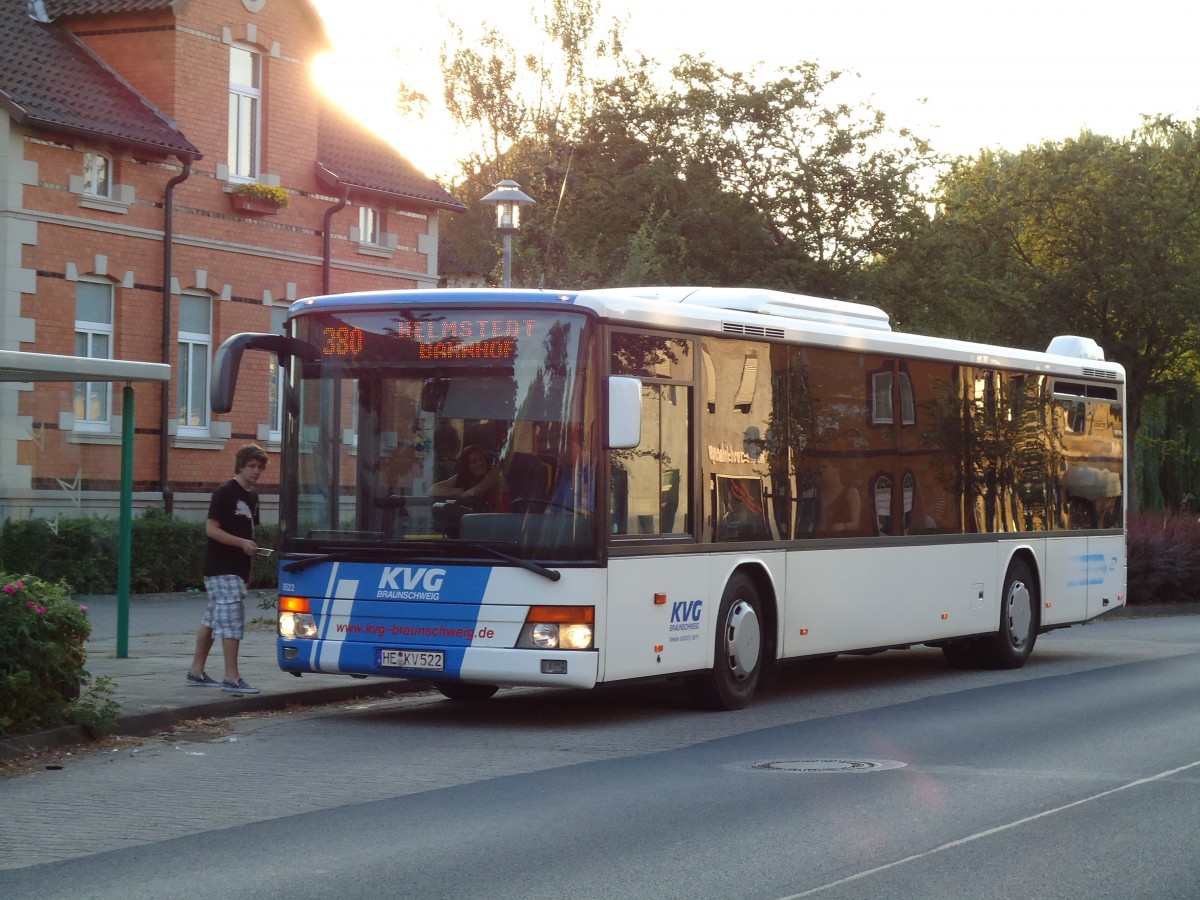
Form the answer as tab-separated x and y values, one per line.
1099	373
751	330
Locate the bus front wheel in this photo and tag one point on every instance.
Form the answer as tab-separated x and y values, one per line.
738	661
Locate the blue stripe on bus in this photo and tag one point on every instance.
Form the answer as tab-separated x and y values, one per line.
1086	569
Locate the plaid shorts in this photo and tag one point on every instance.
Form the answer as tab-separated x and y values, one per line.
226	614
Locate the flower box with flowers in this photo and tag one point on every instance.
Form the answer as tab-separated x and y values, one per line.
258	199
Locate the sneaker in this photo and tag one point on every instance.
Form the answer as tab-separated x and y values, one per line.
202	680
238	687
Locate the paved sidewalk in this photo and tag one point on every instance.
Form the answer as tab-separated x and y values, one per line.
149	683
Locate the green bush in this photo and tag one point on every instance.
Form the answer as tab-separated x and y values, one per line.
166	553
43	682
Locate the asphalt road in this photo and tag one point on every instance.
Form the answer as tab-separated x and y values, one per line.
886	776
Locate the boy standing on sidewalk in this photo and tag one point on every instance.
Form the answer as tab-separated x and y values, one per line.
232	515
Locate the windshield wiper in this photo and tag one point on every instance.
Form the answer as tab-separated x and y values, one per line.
373	553
536	568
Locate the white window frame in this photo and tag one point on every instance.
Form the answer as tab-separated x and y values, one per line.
98	175
370	226
90	332
191	395
244	144
882	411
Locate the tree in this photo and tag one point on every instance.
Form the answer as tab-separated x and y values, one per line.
696	176
1092	236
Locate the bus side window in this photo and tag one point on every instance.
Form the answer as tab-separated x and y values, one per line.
648	494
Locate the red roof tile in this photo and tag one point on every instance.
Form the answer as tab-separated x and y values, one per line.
360	158
58	8
48	78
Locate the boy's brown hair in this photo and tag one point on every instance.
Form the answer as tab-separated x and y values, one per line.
248	453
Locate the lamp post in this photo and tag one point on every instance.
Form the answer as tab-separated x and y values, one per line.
508	198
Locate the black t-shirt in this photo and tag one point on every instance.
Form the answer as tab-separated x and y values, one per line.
235	509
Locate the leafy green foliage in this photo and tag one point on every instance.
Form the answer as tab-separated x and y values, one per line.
42	635
696	176
167	554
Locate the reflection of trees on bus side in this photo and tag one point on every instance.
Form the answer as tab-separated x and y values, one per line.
995	450
641	354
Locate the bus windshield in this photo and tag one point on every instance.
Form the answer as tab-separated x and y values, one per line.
467	427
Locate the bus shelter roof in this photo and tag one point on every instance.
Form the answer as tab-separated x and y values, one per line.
16	365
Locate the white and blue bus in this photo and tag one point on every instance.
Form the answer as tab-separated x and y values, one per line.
754	477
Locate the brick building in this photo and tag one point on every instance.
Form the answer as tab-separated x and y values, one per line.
170	176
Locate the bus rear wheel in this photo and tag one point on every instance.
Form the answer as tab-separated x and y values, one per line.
738	662
461	690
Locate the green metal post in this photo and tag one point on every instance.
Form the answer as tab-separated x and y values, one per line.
125	549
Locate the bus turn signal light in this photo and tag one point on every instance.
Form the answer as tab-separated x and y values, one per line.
294	604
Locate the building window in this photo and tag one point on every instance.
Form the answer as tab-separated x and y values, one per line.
908	406
93	339
881	502
195	347
97	175
245	99
881	398
368	225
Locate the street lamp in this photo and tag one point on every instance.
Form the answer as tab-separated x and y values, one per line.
508	198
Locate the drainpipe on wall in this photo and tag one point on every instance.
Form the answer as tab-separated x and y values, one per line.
327	232
164	442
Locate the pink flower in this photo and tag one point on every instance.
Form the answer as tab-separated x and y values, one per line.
20	585
10	589
41	610
82	608
29	604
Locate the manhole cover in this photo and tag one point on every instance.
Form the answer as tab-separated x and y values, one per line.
816	766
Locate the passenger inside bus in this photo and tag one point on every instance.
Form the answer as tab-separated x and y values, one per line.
573	487
475	477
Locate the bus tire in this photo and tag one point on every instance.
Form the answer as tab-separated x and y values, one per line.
1011	645
462	690
738	661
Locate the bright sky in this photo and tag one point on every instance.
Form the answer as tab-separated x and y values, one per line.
996	75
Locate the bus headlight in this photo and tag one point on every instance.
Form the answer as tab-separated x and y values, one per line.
295	618
558	628
297	625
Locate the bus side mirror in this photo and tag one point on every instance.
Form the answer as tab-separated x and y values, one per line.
229	360
624	412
